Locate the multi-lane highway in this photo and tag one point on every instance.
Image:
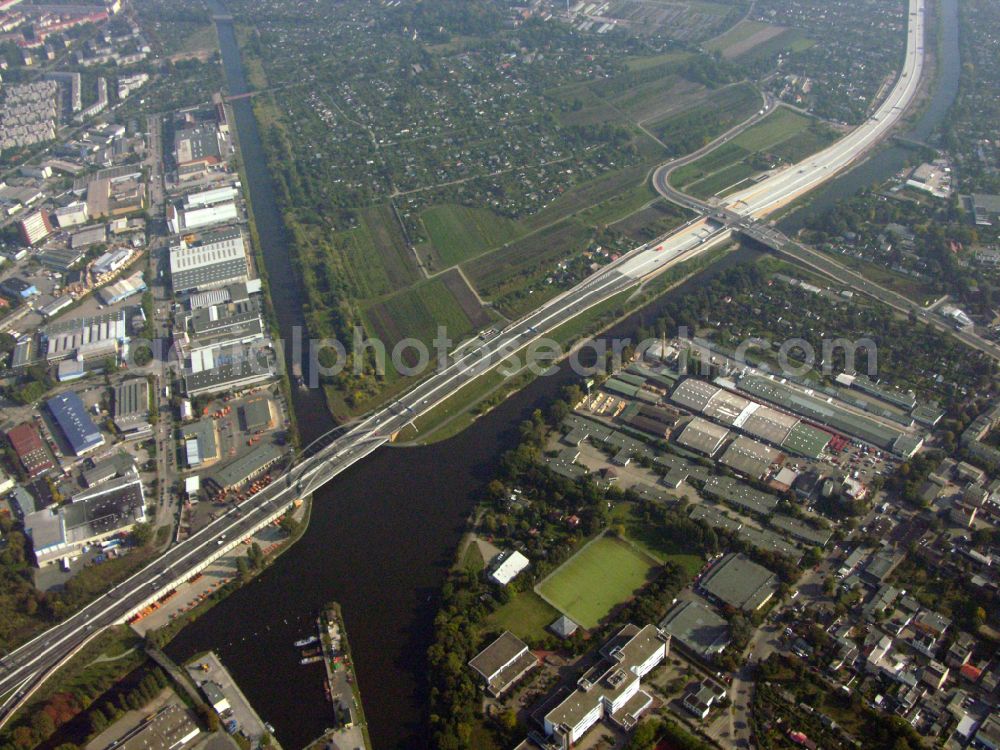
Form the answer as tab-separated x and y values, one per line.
786	185
25	669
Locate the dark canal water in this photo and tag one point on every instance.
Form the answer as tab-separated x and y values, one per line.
382	534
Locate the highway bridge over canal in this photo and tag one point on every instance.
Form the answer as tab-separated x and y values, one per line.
25	669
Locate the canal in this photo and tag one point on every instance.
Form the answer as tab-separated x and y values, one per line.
382	534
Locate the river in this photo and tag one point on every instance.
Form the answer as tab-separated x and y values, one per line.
382	534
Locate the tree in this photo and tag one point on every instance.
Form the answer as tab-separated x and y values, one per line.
289	525
208	717
255	555
142	534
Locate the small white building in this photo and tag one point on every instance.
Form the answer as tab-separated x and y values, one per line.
508	567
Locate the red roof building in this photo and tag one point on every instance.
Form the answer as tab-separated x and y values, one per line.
30	449
971	672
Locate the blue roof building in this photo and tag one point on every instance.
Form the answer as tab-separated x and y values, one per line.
76	425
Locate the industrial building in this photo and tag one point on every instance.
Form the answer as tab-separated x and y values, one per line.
181	219
56	306
90	236
201	446
198	145
703	436
217	332
755	419
77	427
985	208
230	375
741	496
170	728
256	414
119	465
17	288
503	663
100	336
111	508
749	458
61	259
822	411
246	467
209	260
131	407
111	261
122	289
611	688
72	215
697	628
30	449
738	582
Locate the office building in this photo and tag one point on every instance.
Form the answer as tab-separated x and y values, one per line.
612	688
35	227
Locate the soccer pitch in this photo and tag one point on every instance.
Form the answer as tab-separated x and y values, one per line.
604	573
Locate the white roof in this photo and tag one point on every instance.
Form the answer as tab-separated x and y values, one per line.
507	570
192	484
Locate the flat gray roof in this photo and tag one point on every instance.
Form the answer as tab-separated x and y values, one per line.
697	628
739	582
703	436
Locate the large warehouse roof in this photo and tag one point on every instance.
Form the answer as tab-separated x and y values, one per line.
697	628
703	436
748	457
728	408
820	410
769	424
67	337
806	440
76	425
694	394
739	582
209	259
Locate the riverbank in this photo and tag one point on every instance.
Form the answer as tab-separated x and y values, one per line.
482	396
380	540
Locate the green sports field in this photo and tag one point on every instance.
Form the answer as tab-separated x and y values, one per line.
603	574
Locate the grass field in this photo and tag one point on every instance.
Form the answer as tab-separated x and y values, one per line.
526	616
775	128
651	222
793	40
637	64
741	32
376	260
587	194
590	584
717	182
498	271
459	233
417	312
783	133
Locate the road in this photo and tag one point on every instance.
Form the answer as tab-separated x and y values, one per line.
784	186
26	668
661	175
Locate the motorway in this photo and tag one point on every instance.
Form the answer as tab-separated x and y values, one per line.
786	185
24	669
